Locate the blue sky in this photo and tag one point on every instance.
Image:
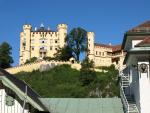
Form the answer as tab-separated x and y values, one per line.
109	19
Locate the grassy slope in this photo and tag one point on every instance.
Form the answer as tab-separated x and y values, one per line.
62	81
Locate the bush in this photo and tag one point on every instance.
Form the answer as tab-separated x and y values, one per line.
63	82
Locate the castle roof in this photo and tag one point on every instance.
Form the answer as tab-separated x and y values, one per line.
116	48
144	43
144	27
113	47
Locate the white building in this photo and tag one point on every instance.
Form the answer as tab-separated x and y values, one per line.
16	96
135	84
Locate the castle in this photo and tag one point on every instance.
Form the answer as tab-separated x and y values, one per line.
104	55
44	42
41	42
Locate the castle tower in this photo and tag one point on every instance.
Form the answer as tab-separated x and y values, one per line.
90	44
25	45
62	33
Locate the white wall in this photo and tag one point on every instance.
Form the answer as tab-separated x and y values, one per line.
144	87
16	108
135	42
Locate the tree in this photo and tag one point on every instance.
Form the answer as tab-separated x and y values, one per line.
77	41
31	60
64	54
5	55
87	73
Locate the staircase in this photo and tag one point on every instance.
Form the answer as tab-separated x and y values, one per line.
127	100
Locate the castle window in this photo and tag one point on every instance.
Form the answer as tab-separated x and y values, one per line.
55	41
24	44
40	54
56	48
42	41
103	53
89	44
51	47
100	53
96	52
32	48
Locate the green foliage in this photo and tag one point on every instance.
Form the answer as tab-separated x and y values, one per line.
63	54
87	73
5	55
77	41
49	58
33	59
63	82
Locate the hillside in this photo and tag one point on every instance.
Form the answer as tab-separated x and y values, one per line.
63	81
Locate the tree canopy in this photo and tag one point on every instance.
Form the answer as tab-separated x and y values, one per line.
5	55
87	73
77	41
63	54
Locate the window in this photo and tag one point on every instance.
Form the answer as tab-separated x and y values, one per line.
100	53
56	48
40	54
51	47
24	44
96	52
42	47
32	48
55	41
116	61
103	53
43	41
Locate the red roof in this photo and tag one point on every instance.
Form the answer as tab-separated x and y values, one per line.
113	47
145	42
116	48
142	27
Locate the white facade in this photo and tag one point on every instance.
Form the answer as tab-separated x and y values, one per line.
136	81
17	107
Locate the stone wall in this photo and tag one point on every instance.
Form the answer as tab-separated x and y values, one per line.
37	65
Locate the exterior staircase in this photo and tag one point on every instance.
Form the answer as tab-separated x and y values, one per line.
127	100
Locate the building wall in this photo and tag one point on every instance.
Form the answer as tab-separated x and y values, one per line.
90	45
104	55
37	65
16	108
41	43
101	58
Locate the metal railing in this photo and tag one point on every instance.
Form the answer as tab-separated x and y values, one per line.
124	100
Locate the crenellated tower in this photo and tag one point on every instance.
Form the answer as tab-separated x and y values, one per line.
90	44
62	33
25	45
